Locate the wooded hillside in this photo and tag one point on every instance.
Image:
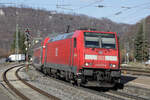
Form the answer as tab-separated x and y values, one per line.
50	22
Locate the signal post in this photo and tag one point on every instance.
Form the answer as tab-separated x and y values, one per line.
27	42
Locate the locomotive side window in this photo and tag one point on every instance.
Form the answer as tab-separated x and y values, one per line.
75	42
99	40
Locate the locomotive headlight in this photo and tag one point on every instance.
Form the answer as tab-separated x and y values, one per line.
113	65
86	64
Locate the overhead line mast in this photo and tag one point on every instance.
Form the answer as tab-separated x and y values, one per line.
16	42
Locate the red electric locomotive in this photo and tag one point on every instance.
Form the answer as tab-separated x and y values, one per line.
82	57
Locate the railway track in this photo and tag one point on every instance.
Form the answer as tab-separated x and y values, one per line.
136	71
113	95
31	90
140	91
116	95
110	94
128	96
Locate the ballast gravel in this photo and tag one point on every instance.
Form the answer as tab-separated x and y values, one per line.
58	89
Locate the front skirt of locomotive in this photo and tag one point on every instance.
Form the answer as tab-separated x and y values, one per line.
100	77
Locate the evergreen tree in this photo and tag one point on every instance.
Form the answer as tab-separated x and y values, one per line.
141	46
145	50
21	44
21	40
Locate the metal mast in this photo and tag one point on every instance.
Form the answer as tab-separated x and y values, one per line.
17	37
16	42
144	38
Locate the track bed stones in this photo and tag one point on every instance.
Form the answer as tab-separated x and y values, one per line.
24	91
58	89
65	91
136	90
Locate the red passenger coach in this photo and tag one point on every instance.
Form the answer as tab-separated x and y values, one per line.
83	57
39	53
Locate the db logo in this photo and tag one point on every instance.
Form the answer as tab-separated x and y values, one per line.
100	52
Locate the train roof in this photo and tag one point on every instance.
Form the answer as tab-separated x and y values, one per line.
61	37
70	35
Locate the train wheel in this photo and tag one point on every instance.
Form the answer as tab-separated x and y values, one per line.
67	76
78	84
72	82
71	78
78	81
41	69
45	71
55	75
49	72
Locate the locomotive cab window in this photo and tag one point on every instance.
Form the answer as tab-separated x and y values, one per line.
99	40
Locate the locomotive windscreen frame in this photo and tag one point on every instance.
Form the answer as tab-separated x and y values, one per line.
99	40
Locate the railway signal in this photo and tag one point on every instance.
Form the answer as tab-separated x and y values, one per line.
27	43
28	36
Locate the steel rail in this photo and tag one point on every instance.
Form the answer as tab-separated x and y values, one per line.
103	94
11	86
141	88
138	90
87	89
136	71
21	95
35	88
127	95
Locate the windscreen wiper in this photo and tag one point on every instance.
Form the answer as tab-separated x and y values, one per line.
100	42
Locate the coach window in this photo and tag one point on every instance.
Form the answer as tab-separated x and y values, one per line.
75	42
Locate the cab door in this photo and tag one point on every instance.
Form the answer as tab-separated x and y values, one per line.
74	54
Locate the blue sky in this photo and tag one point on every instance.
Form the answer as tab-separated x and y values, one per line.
121	11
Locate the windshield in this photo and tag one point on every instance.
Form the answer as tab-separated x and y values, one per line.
99	40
